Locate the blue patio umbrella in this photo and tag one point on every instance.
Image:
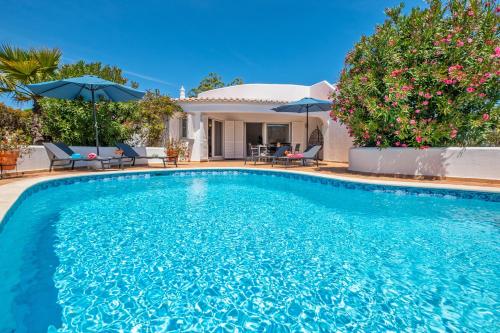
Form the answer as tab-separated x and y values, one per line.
90	88
305	105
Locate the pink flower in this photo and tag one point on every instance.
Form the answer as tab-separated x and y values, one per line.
406	88
480	59
412	122
378	143
497	52
417	111
483	95
364	79
436	43
404	145
470	13
470	89
420	93
398	120
487	4
453	133
427	95
396	72
469	40
439	93
425	103
448	81
351	111
397	144
486	117
460	43
487	75
419	139
394	103
396	132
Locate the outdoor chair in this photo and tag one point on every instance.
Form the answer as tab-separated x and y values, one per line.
62	157
254	154
310	154
280	152
297	148
129	152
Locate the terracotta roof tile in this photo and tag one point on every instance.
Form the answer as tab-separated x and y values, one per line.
228	100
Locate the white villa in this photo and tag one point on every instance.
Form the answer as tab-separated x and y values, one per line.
220	123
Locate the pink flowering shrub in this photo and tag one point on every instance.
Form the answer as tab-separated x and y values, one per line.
429	78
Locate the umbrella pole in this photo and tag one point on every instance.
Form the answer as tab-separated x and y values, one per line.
95	123
307	125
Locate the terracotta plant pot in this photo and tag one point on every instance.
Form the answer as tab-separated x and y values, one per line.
8	159
172	154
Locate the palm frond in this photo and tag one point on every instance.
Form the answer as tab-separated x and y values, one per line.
48	59
11	53
20	70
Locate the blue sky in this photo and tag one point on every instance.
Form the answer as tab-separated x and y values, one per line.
163	44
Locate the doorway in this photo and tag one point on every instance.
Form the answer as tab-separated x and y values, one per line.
253	135
214	138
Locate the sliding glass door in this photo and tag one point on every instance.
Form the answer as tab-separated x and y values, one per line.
215	133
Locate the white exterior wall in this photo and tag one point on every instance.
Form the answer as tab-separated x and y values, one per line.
473	162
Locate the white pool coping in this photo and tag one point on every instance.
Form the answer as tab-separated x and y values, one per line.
10	192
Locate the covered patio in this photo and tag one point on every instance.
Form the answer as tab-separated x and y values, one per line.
222	123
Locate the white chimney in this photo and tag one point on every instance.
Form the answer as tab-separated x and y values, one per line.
182	94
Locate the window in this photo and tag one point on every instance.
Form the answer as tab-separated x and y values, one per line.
278	133
184	127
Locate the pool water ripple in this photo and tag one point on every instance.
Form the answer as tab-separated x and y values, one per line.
239	252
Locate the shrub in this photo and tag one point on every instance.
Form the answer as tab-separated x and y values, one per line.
429	78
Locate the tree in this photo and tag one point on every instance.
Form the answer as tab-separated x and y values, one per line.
155	112
429	78
15	120
19	67
212	81
71	121
80	68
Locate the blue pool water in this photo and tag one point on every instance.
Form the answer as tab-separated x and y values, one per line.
247	252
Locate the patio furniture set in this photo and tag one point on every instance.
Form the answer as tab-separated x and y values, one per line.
62	155
283	155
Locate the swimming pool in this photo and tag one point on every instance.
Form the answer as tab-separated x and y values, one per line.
247	250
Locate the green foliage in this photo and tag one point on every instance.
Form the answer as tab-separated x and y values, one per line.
72	121
80	68
155	110
14	129
14	119
212	81
19	67
429	78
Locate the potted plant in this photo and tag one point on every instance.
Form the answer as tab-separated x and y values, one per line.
12	145
172	149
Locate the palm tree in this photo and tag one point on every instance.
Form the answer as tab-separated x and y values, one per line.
19	67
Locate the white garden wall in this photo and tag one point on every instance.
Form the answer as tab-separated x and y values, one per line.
37	158
473	162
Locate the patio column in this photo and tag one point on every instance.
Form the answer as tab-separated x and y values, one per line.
199	136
